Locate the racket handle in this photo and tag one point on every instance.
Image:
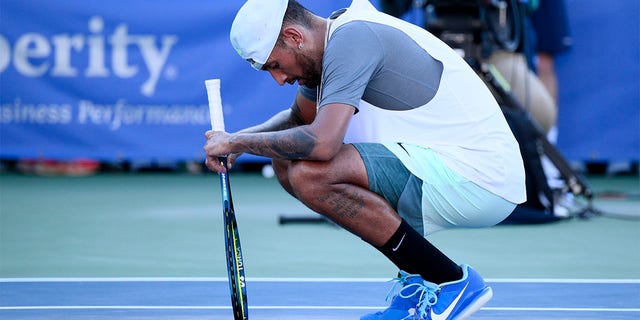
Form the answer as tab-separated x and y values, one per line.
215	104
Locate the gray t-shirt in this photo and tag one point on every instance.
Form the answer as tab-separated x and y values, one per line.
378	64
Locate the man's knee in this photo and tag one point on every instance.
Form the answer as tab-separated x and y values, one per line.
281	171
306	177
297	177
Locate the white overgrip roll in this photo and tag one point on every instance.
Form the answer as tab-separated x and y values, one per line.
215	104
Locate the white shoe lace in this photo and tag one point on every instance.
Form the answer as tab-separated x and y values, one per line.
399	281
428	296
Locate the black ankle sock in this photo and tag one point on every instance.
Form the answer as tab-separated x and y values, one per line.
397	260
411	252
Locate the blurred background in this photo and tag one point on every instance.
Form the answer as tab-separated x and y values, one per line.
89	86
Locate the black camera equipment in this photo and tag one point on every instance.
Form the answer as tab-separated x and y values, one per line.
475	28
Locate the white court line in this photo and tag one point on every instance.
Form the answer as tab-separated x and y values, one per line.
299	308
221	279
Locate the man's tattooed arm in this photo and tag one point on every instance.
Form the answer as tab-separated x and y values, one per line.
291	144
285	119
293	136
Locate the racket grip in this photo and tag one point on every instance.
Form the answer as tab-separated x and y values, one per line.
215	104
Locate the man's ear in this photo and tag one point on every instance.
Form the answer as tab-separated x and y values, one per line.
292	36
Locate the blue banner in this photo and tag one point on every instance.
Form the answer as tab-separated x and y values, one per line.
599	79
120	80
124	80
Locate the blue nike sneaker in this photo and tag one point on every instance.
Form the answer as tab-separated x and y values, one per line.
456	300
406	299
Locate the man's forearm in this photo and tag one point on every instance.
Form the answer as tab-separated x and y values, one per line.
291	144
284	119
262	145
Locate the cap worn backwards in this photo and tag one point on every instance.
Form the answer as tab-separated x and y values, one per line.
256	29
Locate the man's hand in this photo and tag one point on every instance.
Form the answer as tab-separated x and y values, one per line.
217	145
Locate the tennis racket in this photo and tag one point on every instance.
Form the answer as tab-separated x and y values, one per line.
235	265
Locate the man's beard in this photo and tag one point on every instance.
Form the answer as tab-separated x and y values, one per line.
311	71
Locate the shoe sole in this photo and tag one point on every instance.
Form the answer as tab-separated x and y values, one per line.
477	303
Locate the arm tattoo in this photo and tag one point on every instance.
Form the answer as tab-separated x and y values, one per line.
284	136
299	145
292	144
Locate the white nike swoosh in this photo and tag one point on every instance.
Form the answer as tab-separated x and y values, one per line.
445	315
399	243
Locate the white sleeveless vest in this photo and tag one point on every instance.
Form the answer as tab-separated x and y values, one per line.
462	123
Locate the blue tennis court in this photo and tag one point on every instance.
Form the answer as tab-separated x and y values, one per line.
208	298
151	247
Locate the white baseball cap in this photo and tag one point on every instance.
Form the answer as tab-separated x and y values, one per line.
256	29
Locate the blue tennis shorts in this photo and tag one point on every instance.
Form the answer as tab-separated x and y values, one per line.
442	200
